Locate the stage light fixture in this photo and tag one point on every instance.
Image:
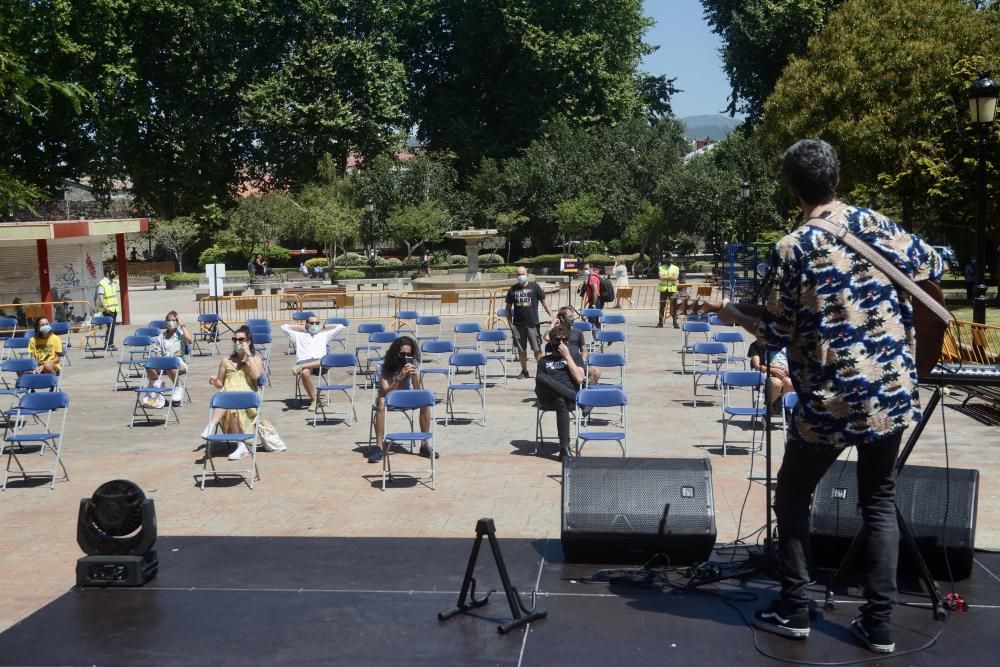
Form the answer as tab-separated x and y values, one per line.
116	528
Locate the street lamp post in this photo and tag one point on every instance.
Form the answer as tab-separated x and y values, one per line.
370	225
745	199
982	106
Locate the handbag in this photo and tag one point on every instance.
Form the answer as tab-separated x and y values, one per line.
930	318
269	438
155	400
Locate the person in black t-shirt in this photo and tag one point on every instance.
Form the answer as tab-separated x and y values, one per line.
557	379
522	317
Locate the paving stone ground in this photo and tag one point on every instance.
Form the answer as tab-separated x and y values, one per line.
323	486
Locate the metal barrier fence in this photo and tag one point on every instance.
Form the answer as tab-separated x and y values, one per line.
972	343
238	309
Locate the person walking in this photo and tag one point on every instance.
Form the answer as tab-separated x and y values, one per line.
855	372
620	273
107	303
669	273
523	298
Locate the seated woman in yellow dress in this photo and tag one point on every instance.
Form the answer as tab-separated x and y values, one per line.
240	371
45	347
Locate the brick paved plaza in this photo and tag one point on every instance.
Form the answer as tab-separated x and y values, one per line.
319	486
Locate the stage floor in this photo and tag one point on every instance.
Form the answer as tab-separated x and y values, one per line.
374	601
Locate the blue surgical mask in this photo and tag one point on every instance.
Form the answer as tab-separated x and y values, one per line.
44	329
522	279
171	324
586	272
313	328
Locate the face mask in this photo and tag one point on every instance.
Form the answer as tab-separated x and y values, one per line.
171	324
586	272
236	348
522	279
313	328
44	329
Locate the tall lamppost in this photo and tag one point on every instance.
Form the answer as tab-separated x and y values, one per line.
982	106
745	199
370	227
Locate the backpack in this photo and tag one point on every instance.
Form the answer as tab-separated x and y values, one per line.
607	290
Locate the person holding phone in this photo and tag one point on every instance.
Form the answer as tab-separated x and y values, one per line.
558	378
399	371
240	371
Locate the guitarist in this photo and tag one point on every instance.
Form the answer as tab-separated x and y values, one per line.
850	342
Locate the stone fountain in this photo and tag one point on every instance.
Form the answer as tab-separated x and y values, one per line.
473	278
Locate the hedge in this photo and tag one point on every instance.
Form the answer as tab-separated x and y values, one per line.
347	274
235	259
183	277
350	259
503	268
392	263
461	260
316	261
490	259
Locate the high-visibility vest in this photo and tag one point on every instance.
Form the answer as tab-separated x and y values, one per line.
668	278
109	295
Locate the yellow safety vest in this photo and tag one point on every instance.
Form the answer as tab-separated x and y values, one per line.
668	278
108	295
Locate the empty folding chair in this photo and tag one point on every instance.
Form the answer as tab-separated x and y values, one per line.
364	330
612	321
498	340
26	383
708	361
607	361
8	327
159	325
409	401
341	338
158	397
131	362
604	338
502	319
234	400
464	335
593	314
208	332
258	323
715	321
97	340
11	370
152	332
458	363
62	329
735	340
434	355
428	327
401	324
732	381
690	330
603	397
329	365
14	348
378	342
43	406
585	327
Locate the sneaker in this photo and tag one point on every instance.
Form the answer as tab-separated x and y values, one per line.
375	454
878	637
112	348
775	619
677	326
523	375
240	452
425	451
209	430
660	325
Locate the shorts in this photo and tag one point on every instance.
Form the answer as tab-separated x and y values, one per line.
299	365
525	335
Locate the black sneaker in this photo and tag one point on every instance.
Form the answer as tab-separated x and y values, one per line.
425	451
877	637
774	619
660	325
523	375
375	454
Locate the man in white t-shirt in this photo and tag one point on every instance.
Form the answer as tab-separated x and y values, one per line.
310	345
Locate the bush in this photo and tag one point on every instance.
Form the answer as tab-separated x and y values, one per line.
542	260
461	260
503	268
316	261
234	259
183	277
347	274
615	247
439	257
392	263
350	259
411	262
590	248
490	259
603	260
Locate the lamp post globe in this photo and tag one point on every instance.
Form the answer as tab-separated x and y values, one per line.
983	94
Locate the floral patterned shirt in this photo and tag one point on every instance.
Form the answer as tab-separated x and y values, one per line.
848	332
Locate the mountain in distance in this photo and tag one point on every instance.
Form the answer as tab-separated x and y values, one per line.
712	126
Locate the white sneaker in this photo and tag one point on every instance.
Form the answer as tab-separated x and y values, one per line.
209	430
240	452
178	395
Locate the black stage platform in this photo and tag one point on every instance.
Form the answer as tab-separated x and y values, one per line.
374	601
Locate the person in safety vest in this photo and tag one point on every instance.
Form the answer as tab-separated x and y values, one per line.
669	274
107	302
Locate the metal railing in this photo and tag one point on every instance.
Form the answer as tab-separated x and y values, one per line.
238	309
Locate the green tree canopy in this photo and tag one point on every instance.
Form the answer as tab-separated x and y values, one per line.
259	220
176	235
578	216
419	224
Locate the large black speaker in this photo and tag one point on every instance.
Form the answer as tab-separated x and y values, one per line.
626	510
921	496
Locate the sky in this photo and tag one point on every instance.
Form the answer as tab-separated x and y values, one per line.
688	51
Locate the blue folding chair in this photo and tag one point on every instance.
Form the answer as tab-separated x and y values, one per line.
146	398
208	332
131	362
11	370
234	400
469	330
63	329
431	363
159	325
593	314
26	384
14	348
327	365
298	317
404	317
462	362
689	329
612	320
603	397
409	401
42	406
432	322
607	361
8	327
152	332
341	337
374	350
606	337
735	380
732	339
97	341
709	359
258	323
500	342
502	319
789	402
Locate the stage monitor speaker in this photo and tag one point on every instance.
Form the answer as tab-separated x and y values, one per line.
921	497
627	510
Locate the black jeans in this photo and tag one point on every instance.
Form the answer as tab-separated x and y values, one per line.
111	329
801	469
667	302
554	396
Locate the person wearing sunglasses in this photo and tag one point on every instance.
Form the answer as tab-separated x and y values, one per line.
557	379
310	343
240	371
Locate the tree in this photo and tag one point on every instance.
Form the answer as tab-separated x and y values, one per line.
176	235
333	216
759	37
259	220
576	217
507	223
418	224
488	77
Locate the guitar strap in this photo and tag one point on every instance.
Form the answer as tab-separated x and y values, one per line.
901	280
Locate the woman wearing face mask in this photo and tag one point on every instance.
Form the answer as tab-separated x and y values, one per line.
172	342
45	347
240	371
